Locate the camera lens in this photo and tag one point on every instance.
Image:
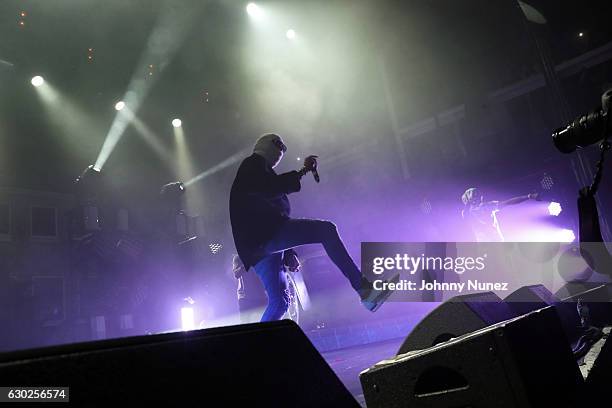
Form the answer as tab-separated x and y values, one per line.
563	139
584	131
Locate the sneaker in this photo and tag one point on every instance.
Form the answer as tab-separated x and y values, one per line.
373	299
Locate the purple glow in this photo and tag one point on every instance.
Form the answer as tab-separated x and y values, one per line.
187	318
544	234
554	208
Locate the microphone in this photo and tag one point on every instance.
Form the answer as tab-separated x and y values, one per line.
313	167
315	174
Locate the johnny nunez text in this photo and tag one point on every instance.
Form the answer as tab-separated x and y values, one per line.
471	284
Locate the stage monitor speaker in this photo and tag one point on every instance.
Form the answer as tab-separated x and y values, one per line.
533	297
529	298
458	315
262	364
597	296
519	363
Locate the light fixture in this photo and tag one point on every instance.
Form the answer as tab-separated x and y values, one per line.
215	248
187	318
254	10
554	208
37	81
547	182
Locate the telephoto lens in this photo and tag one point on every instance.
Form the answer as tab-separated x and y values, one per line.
587	129
583	132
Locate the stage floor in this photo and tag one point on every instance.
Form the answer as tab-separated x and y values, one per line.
349	362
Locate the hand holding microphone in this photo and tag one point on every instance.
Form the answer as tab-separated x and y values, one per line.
310	164
534	196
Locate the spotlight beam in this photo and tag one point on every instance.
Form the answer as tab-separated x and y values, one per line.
172	27
7	63
152	139
71	120
185	170
218	167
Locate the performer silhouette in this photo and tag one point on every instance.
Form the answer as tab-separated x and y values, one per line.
482	215
263	229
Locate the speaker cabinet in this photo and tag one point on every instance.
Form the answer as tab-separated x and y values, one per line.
530	298
262	364
458	315
522	362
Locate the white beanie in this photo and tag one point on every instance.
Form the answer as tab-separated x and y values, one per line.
266	148
469	195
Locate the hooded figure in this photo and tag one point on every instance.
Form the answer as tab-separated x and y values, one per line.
271	148
258	199
263	230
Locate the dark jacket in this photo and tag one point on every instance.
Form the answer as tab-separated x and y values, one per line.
259	206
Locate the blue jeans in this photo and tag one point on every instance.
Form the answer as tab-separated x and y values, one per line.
296	232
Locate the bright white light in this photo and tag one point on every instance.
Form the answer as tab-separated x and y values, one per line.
37	81
566	235
554	209
187	318
254	10
119	105
177	123
290	34
580	34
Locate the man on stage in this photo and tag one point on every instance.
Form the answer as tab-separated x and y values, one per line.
482	215
263	229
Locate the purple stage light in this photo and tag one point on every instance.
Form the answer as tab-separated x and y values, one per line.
554	208
187	318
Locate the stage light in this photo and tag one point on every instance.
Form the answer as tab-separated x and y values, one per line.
177	123
580	35
119	105
215	248
37	81
173	189
87	188
174	23
566	235
187	318
547	182
290	34
254	10
554	208
426	207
